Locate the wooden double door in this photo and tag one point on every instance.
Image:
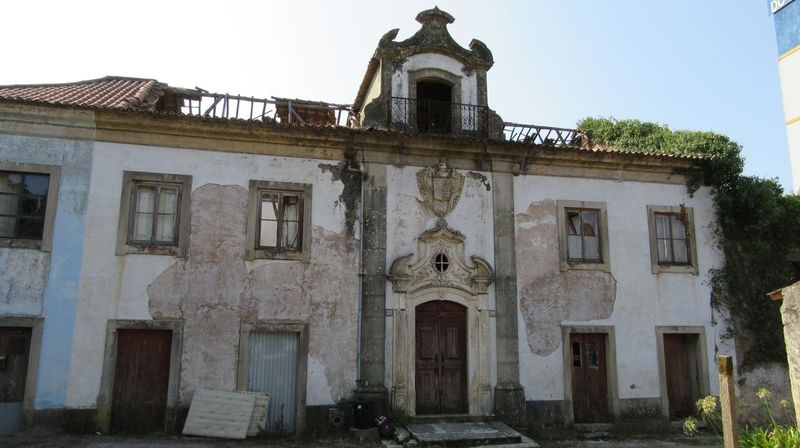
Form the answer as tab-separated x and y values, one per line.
441	358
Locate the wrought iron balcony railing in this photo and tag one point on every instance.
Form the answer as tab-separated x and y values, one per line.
404	114
437	117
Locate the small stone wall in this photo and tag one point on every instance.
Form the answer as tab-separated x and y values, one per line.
790	311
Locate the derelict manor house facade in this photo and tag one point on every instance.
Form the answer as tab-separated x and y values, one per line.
411	249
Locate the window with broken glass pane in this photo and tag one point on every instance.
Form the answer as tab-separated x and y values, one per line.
583	235
280	221
671	239
154	213
23	202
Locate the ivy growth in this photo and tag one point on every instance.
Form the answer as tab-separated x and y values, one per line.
756	226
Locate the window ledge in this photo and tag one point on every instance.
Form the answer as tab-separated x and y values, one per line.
675	269
265	254
17	243
585	266
150	249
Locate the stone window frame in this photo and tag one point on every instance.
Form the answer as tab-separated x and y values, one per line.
658	268
612	378
301	328
703	380
124	245
605	255
45	244
256	187
105	397
36	324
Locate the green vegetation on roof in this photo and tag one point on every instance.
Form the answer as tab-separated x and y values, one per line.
756	227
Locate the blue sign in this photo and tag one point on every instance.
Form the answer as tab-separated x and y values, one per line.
777	5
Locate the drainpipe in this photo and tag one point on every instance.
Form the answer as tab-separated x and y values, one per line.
359	308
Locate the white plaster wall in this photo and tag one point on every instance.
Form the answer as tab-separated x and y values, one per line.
407	218
643	300
793	134
115	287
373	91
789	72
469	83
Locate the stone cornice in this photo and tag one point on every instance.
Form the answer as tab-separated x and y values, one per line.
385	147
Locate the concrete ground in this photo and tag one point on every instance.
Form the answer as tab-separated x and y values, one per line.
42	439
38	438
637	442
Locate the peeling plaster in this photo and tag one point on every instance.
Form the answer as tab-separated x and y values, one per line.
480	178
548	296
349	173
213	291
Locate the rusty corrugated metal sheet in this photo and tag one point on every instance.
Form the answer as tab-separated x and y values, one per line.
273	360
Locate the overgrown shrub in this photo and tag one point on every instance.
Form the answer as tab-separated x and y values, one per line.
756	224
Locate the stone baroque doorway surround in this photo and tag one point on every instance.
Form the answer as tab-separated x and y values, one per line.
416	280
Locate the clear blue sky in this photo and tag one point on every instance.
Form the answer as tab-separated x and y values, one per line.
706	65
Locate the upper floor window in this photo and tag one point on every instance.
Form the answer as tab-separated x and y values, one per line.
23	202
672	246
583	235
27	205
154	214
671	239
279	220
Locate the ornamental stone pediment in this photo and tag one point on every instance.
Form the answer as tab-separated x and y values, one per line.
440	263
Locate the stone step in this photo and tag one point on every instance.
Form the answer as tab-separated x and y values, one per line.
524	443
462	434
594	427
450	418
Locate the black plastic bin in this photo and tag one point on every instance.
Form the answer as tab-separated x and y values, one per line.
363	414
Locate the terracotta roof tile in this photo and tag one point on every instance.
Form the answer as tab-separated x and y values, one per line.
110	92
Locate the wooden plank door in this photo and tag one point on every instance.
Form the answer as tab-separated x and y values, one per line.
589	382
15	343
679	381
141	380
441	358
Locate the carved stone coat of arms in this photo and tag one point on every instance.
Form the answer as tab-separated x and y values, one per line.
440	188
